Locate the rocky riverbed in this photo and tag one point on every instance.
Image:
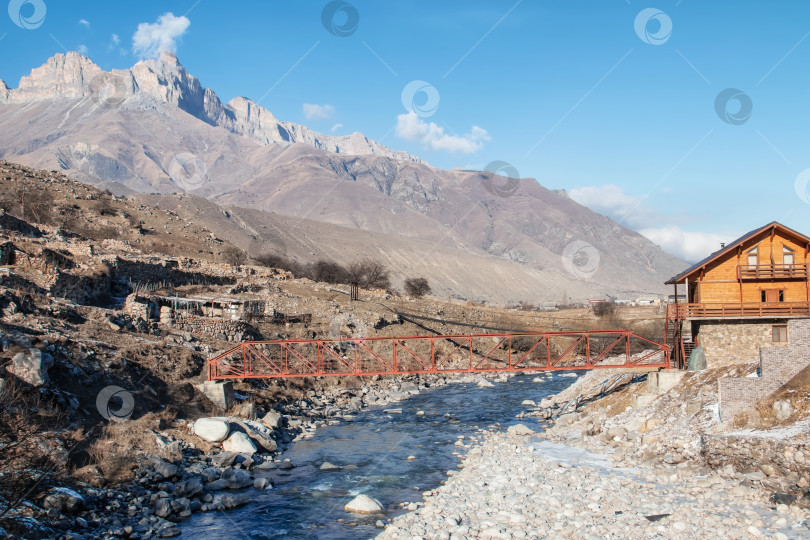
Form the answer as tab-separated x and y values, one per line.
520	485
206	467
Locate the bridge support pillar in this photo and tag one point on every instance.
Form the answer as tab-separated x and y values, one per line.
661	382
220	393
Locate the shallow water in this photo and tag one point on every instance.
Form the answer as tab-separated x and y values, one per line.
373	451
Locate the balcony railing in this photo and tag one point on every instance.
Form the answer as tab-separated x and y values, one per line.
752	309
772	271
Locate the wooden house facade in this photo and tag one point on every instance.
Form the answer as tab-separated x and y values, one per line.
743	294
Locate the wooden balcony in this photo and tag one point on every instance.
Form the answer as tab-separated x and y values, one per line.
772	271
753	309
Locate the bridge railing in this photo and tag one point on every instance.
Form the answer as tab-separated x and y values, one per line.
541	351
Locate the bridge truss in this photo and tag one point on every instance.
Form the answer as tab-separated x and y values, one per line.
477	353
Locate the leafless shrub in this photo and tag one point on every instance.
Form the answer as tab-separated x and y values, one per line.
604	309
234	256
29	452
417	287
327	271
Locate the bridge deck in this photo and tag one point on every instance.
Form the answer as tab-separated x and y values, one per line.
477	353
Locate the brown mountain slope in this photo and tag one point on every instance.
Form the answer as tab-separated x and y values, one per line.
161	134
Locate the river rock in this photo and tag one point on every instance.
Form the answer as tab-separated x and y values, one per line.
261	483
239	443
65	500
483	383
363	504
212	429
236	478
272	420
164	468
163	507
232	500
328	467
31	366
258	433
519	430
224	459
189	488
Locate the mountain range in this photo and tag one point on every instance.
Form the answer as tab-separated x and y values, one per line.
154	129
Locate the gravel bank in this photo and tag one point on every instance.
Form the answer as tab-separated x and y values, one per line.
523	486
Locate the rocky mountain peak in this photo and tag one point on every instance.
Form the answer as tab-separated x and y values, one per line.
164	82
63	76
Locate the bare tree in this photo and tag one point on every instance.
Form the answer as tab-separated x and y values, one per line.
369	274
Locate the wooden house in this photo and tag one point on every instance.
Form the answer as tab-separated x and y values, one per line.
740	297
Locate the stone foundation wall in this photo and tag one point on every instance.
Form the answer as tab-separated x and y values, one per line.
727	344
82	288
224	329
778	364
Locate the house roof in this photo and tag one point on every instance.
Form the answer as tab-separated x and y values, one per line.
732	246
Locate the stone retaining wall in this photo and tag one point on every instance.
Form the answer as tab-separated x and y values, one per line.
778	365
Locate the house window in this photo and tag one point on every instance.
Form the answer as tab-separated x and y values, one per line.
773	295
779	333
787	255
752	257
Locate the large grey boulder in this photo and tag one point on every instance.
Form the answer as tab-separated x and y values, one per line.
363	504
31	366
212	429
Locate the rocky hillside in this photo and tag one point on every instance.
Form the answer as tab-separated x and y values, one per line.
155	129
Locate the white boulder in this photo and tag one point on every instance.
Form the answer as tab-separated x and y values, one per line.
212	429
363	504
239	443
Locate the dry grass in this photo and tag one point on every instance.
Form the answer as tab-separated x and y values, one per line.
115	451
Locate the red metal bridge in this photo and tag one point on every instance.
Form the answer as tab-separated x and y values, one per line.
478	353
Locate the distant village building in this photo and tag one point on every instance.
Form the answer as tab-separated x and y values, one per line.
741	297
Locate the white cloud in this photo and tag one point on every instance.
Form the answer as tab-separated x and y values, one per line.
630	211
689	246
84	22
115	40
151	39
612	201
82	49
337	127
412	128
313	111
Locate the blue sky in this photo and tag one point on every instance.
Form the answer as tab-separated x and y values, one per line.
572	93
